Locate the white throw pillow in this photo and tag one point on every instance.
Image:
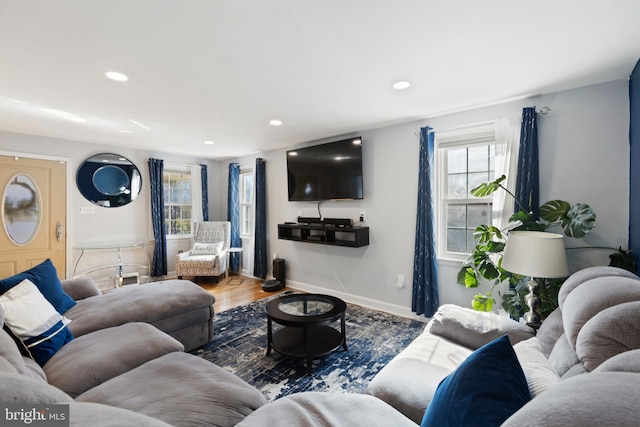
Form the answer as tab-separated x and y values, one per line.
207	248
34	321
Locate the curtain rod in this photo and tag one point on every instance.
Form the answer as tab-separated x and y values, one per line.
544	111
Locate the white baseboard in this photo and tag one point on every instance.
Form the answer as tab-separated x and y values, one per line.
358	300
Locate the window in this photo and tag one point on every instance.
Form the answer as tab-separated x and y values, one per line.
246	203
177	202
464	162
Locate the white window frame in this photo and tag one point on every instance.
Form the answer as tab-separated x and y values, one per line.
247	208
483	134
185	170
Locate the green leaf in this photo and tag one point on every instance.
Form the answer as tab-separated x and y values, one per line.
623	259
521	216
482	302
488	270
580	219
461	275
554	210
495	247
487	188
470	279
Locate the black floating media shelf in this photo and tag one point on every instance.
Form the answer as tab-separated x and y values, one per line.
354	237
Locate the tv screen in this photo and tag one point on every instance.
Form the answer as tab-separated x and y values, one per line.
331	171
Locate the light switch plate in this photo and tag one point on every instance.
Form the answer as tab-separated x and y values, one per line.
86	210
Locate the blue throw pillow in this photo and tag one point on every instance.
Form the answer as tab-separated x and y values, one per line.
45	277
485	390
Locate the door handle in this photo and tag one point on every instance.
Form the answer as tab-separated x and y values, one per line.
59	231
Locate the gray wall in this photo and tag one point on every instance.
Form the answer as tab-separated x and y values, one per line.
584	157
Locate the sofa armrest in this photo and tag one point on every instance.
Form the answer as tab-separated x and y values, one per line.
99	356
80	288
473	329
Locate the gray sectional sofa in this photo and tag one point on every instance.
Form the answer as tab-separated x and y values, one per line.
179	308
581	368
126	364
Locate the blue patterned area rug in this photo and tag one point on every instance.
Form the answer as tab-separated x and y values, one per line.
373	339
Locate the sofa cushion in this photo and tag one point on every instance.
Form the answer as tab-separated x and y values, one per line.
180	389
9	350
563	357
487	388
550	331
16	388
474	329
629	361
595	399
586	274
45	277
592	297
33	370
612	331
170	305
537	370
313	409
33	320
97	415
80	288
409	380
94	358
6	366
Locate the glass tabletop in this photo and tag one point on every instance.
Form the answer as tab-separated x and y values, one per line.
305	305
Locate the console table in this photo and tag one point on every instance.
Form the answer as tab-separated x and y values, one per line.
354	237
113	265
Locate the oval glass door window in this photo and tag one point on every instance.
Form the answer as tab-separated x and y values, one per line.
21	209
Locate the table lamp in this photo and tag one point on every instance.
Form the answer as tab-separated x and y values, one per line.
535	254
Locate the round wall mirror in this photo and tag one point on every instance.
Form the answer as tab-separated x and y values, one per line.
109	180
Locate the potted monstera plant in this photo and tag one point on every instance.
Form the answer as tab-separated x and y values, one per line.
485	263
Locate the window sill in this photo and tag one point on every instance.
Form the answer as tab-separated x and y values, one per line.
179	237
450	261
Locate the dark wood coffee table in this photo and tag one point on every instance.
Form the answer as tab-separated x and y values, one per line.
306	330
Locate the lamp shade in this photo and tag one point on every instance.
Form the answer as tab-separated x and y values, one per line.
535	254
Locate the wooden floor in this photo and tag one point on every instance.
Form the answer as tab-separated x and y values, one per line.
234	291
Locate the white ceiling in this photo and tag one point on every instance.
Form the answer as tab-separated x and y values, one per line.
220	70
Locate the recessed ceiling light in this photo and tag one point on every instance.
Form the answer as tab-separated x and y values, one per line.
125	131
209	142
401	85
114	75
275	122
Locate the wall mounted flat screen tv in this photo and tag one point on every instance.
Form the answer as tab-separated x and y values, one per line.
331	171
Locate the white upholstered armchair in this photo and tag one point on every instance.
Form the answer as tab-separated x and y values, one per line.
208	254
